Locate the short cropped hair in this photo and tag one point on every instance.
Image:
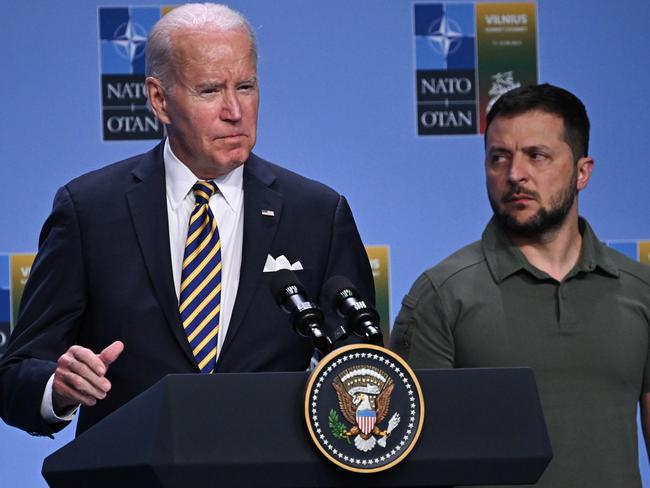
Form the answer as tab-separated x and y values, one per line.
210	17
550	99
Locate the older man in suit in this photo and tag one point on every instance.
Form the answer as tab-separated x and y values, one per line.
155	265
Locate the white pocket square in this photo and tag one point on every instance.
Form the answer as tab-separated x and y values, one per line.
281	262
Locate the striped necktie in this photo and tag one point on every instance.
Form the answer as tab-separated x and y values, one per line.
200	297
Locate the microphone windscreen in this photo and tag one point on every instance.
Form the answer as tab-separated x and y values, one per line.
281	280
333	286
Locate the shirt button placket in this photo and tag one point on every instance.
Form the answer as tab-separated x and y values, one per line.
566	315
560	304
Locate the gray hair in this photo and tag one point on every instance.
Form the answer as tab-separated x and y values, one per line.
191	16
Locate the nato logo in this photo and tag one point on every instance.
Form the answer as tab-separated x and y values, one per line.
445	56
5	303
122	41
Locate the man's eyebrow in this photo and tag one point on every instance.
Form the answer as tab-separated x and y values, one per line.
210	84
498	148
536	147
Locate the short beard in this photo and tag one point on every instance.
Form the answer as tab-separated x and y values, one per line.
545	220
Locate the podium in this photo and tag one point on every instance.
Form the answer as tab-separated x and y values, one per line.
481	426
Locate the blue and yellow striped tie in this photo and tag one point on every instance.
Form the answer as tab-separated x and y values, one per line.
200	297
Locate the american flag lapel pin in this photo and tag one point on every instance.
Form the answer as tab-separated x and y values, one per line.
268	213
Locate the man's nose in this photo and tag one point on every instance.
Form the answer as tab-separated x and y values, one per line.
518	170
231	109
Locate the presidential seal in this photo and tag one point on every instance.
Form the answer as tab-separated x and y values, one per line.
364	408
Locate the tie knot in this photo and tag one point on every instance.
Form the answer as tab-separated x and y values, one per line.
203	190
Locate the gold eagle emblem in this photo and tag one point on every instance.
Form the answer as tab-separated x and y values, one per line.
364	394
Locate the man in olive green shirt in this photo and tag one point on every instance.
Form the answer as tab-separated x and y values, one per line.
540	290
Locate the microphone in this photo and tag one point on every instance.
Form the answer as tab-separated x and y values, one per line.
362	319
308	319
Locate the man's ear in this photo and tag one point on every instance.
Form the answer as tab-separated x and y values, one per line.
157	98
584	167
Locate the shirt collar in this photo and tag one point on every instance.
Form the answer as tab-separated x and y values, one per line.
505	259
502	256
179	181
592	254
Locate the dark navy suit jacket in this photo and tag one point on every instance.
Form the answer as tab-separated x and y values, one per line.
103	273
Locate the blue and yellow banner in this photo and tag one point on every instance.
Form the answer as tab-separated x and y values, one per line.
638	250
379	262
14	271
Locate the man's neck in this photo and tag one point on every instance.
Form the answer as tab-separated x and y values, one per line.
555	252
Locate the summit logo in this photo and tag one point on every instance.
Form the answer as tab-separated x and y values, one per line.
446	69
466	56
122	43
521	19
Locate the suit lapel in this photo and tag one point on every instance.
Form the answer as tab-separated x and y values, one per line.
148	206
259	231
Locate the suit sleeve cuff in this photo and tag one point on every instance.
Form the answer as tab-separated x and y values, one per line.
47	409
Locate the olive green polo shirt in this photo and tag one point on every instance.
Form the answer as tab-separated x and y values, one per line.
585	337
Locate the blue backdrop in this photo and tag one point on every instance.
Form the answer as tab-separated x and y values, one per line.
338	105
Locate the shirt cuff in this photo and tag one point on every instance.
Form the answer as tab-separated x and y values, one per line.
47	409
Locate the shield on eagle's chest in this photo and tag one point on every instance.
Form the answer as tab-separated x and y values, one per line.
366	420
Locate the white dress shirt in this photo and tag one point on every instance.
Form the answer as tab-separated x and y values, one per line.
227	206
